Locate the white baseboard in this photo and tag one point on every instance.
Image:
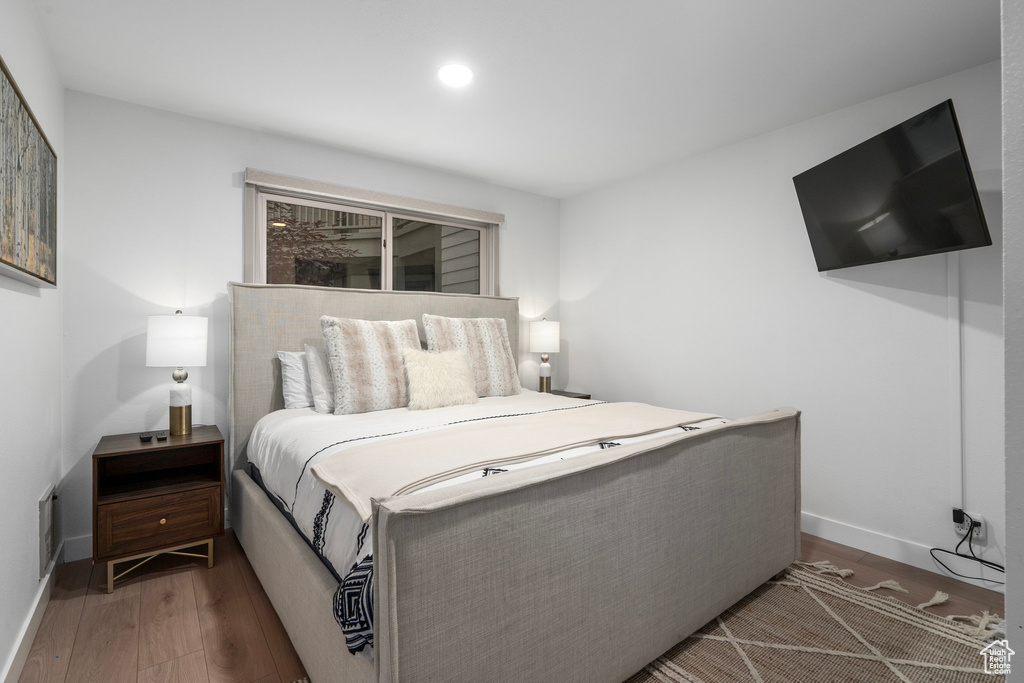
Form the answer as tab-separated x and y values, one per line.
78	548
907	552
11	671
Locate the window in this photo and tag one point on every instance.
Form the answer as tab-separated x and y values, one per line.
434	257
292	238
315	243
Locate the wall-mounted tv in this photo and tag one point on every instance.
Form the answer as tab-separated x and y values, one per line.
905	192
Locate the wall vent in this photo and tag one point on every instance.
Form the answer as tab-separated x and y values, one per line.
47	529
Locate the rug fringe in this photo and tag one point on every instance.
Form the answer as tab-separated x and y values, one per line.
827	568
985	625
937	599
890	584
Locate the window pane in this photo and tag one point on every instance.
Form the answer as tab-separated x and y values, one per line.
431	257
308	245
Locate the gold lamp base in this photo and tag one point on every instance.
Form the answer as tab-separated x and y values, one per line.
181	420
545	385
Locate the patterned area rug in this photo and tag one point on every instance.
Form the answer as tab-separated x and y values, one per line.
809	627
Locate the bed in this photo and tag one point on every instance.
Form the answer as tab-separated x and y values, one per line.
582	569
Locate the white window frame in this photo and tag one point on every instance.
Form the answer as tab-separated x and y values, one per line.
261	187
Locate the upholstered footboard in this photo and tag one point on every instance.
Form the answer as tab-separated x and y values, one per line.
297	583
584	570
588	569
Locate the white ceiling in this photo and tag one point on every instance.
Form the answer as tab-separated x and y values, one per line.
568	94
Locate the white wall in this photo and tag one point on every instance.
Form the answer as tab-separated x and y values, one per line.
154	202
30	344
1013	291
717	306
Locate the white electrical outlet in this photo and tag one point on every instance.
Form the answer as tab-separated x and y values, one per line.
980	532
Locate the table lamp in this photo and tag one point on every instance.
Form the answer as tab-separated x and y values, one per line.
174	341
544	339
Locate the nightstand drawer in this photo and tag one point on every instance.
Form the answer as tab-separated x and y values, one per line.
133	526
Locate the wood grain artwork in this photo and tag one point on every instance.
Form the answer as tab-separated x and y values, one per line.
28	191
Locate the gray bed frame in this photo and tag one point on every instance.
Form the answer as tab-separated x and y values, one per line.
583	570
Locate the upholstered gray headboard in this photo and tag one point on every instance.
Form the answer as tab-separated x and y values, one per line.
266	319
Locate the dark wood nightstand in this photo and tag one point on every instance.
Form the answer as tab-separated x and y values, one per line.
570	394
156	497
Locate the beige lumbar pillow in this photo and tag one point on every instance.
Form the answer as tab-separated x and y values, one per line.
437	380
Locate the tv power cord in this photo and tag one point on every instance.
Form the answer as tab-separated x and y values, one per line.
958	518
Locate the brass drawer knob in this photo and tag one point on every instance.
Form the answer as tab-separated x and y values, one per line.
163	521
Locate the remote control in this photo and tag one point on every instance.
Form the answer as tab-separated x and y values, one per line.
146	436
161	436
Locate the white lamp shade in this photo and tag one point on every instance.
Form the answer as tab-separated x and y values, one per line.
175	341
544	336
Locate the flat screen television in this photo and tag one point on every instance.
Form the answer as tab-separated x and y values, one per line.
905	192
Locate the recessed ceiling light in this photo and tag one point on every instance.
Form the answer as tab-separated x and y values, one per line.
455	75
279	225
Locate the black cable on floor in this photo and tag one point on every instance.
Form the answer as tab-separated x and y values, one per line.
969	537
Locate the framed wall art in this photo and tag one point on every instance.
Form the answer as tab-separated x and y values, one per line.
28	191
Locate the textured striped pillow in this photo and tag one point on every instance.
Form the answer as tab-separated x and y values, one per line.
366	362
485	341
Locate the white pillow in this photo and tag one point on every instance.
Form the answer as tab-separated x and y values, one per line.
440	379
295	379
320	380
366	362
485	341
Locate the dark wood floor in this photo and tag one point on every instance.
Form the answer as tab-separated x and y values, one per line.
176	621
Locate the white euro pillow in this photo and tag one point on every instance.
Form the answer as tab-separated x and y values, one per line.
320	379
298	393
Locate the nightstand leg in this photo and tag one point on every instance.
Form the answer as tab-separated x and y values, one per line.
110	577
209	554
